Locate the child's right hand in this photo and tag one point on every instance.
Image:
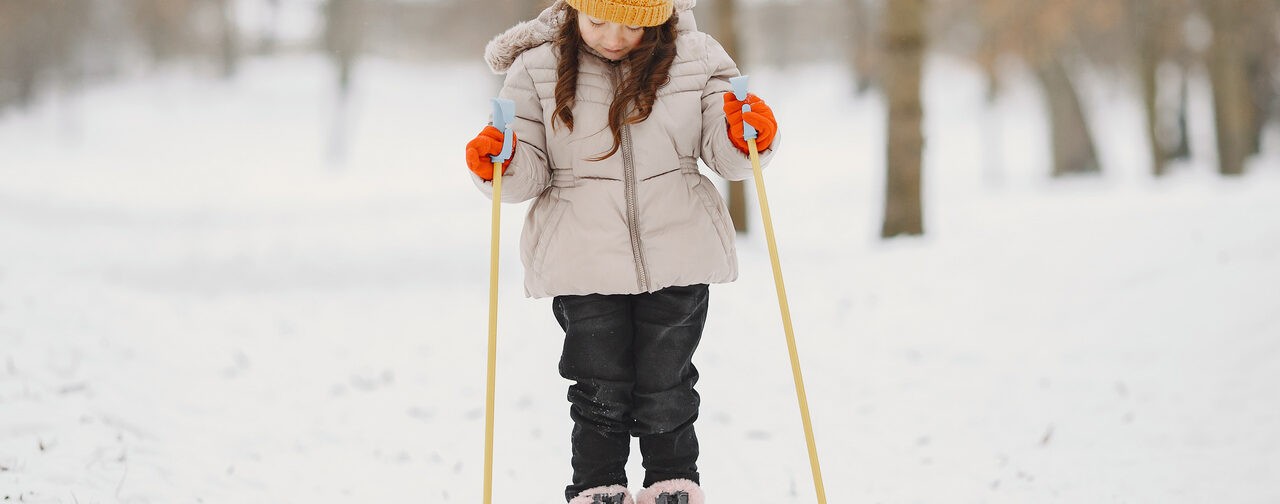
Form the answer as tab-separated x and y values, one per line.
487	143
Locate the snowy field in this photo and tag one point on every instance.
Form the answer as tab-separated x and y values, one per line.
204	300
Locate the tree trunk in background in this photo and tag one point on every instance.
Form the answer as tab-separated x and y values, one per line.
1146	24
1261	71
1147	64
1261	46
1073	150
1231	107
726	26
270	37
1183	149
228	43
726	16
166	25
344	37
40	42
863	57
904	44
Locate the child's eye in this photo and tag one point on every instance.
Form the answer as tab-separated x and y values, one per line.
635	28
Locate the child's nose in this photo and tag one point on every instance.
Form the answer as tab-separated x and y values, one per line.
614	38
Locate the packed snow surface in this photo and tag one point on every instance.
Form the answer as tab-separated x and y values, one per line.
247	291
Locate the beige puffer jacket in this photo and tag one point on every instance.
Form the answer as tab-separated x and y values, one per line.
642	219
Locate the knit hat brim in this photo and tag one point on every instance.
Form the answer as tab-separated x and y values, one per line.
626	12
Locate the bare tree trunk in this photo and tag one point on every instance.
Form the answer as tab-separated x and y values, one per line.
344	37
344	40
863	51
1147	64
40	42
726	14
166	26
1260	67
228	43
1232	111
20	51
904	42
1183	149
1073	151
1261	77
1146	24
271	36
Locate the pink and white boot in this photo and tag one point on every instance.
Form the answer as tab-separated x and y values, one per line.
676	491
612	494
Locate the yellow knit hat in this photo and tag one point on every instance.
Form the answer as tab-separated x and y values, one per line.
627	12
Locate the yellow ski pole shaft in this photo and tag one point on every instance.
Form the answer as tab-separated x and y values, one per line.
503	114
491	383
740	84
786	325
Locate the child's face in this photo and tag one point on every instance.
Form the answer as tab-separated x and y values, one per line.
612	40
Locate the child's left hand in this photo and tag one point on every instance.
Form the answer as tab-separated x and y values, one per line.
760	117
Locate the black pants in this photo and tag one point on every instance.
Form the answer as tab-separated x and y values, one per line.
630	357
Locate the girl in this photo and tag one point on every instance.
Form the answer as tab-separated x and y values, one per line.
616	100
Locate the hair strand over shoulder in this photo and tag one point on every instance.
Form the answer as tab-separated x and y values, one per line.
645	69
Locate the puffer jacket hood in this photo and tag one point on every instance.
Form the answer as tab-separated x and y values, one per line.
644	218
503	49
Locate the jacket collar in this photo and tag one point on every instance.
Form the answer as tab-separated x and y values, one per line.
503	49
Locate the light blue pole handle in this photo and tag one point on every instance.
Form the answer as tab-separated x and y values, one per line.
504	113
740	92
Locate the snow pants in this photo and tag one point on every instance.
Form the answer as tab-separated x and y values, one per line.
630	357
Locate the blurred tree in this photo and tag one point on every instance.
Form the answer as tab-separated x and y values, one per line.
726	15
1149	40
165	26
863	52
344	37
19	51
41	43
270	36
1043	34
779	34
1228	69
172	29
904	46
228	43
1181	149
1177	50
1073	150
1262	47
1155	29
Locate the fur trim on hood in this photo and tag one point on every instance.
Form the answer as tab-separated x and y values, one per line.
503	49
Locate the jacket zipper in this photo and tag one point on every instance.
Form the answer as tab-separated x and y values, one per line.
629	172
629	183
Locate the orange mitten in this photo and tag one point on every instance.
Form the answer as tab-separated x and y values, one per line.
760	117
487	143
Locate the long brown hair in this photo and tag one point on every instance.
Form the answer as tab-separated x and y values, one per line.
645	69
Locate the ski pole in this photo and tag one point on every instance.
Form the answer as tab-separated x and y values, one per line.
749	134
504	112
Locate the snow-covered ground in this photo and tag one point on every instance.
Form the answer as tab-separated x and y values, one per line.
203	300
